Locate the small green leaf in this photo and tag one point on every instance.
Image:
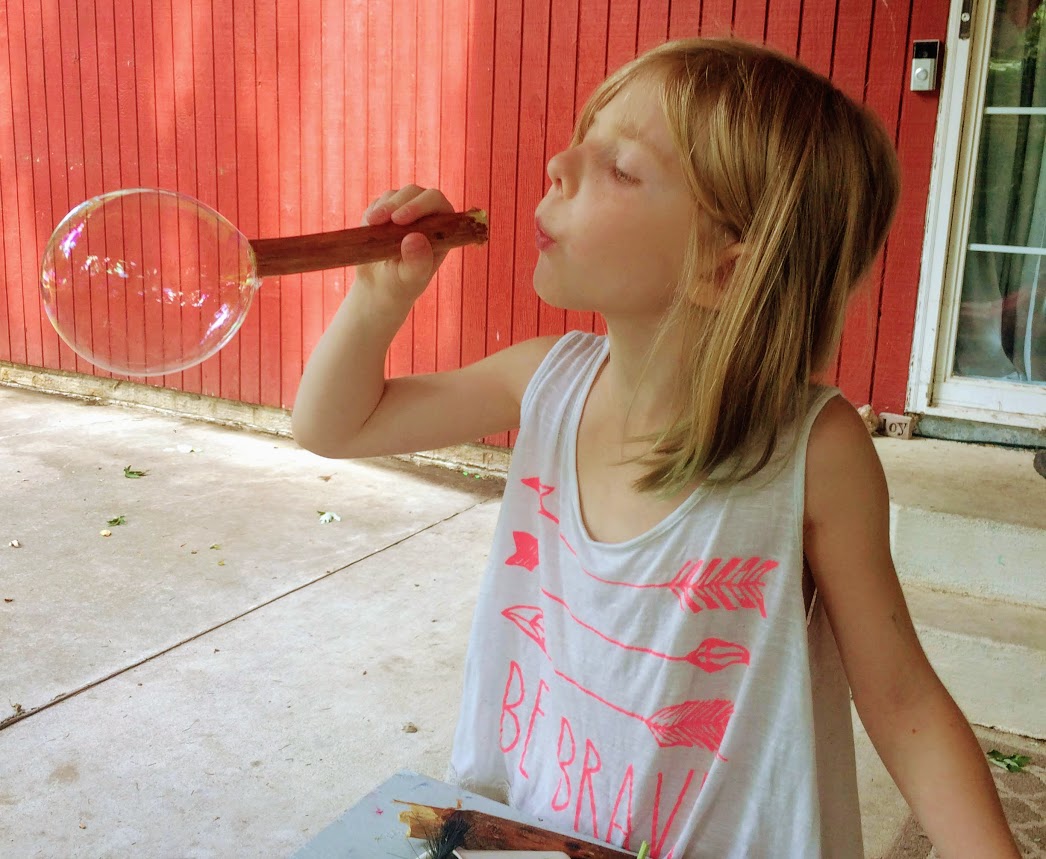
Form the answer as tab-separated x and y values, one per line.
221	563
1012	763
215	546
116	520
130	473
326	518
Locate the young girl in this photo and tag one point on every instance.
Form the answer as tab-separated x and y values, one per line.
692	570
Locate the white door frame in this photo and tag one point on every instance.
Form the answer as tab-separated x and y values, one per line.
930	389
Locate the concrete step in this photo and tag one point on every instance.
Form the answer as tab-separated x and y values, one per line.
991	656
968	533
967	518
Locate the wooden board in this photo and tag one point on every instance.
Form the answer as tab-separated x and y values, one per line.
371	829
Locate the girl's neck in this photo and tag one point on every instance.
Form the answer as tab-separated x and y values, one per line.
641	390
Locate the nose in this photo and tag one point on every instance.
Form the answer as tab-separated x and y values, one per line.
561	172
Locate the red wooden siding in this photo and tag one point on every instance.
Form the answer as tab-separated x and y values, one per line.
290	116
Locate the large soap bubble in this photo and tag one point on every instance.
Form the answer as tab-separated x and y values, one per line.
145	282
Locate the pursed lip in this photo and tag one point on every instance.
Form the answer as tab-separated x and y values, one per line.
542	238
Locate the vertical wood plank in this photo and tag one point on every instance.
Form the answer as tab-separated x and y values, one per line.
28	332
87	40
56	155
850	73
717	17
246	348
508	39
311	166
850	58
402	145
109	155
653	24
270	119
918	116
206	147
562	84
333	141
817	34
187	161
684	19
12	342
592	42
430	63
225	133
783	18
288	82
750	20
158	162
379	103
534	84
885	78
39	147
478	170
622	29
452	122
357	128
130	177
167	142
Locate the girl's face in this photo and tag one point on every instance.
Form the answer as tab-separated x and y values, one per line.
613	228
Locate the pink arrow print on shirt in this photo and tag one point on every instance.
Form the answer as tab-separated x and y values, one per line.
713	654
692	723
526	554
543	492
738	583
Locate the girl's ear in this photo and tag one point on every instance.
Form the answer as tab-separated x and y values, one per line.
709	292
728	258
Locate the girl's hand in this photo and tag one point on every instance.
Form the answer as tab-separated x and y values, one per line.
403	280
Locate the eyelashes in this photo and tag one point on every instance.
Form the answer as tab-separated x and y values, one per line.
621	176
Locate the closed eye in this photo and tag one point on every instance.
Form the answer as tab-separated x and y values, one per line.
621	176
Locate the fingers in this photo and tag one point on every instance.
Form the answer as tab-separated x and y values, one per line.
406	205
417	263
426	202
378	212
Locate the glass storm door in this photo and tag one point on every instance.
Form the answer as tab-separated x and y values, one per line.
989	359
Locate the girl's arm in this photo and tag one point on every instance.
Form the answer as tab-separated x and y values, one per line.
921	735
346	408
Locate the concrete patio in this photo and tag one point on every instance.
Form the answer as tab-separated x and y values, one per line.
224	674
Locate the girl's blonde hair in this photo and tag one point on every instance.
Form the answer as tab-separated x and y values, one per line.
778	159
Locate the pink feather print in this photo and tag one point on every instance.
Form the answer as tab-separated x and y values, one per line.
692	723
543	491
531	620
727	586
714	654
526	554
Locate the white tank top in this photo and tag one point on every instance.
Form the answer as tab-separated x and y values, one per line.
671	688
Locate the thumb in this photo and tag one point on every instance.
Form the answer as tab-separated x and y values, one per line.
416	260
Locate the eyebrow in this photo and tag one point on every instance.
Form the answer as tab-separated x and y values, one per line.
630	131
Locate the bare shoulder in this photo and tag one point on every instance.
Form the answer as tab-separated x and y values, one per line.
517	364
843	470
